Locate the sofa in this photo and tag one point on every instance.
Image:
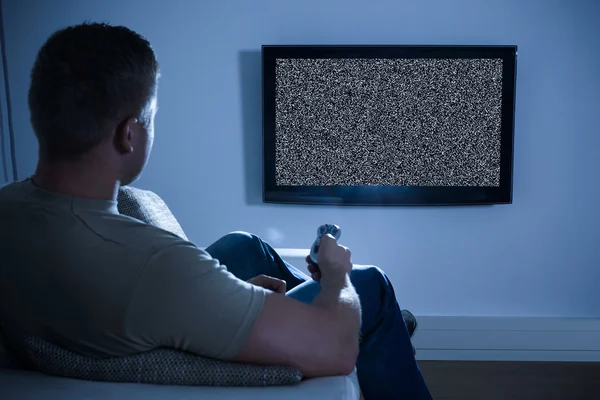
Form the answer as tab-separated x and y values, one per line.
33	384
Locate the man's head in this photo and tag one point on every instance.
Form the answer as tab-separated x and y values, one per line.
93	91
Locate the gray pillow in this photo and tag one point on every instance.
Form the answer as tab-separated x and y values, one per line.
161	366
147	207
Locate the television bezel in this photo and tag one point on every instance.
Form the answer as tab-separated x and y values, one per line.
389	195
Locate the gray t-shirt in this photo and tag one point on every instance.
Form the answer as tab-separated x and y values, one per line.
75	271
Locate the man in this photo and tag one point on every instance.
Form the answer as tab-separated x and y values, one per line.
74	271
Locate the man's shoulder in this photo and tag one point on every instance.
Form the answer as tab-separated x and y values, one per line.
7	186
12	197
131	232
10	191
97	228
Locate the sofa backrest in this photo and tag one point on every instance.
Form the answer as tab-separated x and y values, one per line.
4	359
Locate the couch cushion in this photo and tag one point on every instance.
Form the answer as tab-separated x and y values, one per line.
28	385
160	366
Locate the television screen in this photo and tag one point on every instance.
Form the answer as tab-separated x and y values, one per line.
388	125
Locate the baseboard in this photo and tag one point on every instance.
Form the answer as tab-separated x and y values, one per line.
508	339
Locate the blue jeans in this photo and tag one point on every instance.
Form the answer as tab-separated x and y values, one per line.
386	365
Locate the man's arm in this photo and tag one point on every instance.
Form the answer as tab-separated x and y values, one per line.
184	299
320	339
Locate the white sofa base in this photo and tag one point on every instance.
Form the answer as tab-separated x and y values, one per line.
28	385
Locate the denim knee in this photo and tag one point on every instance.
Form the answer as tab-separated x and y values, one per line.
370	281
370	273
241	241
238	237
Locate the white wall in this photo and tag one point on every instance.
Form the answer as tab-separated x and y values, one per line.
536	257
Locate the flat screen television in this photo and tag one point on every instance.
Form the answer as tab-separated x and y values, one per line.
388	125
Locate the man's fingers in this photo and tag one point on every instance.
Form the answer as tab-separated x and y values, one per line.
274	284
270	283
281	286
315	272
327	237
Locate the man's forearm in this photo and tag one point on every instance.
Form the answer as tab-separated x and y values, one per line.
339	299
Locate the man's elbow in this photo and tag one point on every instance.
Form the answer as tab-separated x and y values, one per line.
349	343
332	359
335	367
346	346
346	366
348	359
343	358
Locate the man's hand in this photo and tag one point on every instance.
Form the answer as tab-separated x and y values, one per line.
332	256
315	273
268	282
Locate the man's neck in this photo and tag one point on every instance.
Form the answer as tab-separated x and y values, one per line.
78	179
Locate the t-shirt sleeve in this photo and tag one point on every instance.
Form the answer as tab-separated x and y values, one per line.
184	299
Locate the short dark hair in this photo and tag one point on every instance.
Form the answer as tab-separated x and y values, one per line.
85	78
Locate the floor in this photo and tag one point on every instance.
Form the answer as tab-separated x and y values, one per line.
475	380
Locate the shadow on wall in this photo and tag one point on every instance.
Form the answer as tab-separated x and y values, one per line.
250	65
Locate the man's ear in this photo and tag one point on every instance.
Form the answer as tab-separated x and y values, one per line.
124	136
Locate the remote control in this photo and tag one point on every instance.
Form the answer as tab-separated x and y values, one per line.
334	230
